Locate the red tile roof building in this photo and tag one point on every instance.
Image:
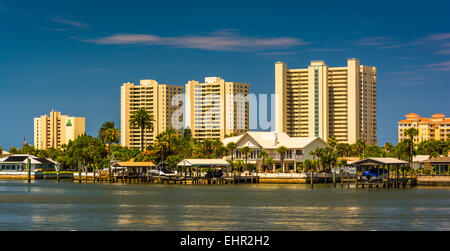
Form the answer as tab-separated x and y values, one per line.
437	127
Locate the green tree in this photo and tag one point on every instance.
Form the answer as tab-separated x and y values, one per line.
411	133
143	120
246	151
109	135
165	144
231	147
187	134
88	151
387	149
282	152
187	147
317	154
269	162
343	150
239	164
308	165
207	148
358	149
332	142
219	149
263	155
13	150
27	149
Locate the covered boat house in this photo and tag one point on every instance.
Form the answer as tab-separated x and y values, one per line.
381	172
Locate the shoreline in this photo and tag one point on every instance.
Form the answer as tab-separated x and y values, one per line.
425	180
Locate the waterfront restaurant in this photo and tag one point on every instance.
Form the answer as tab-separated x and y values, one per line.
18	163
298	148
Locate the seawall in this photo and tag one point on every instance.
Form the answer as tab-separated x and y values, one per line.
432	180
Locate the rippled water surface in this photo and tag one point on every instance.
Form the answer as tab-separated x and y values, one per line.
47	205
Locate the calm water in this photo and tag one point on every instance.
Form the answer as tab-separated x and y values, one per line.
47	205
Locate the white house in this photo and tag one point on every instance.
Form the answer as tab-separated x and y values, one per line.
298	149
18	163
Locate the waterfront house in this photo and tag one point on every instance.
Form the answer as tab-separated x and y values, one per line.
298	148
18	163
419	161
439	165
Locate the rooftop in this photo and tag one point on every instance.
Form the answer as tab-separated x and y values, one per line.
379	161
439	160
267	139
22	158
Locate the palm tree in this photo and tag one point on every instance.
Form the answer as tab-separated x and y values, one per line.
316	154
359	148
387	148
109	135
13	150
411	133
282	151
245	151
263	155
187	146
239	164
308	164
219	149
142	119
165	142
231	147
269	162
332	142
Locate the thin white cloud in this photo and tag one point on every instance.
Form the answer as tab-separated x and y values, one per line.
440	41
326	50
443	52
217	41
55	29
438	37
72	23
380	42
278	53
375	41
443	66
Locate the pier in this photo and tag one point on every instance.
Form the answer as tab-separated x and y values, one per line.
149	179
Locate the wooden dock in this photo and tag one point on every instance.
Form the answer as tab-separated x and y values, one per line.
149	179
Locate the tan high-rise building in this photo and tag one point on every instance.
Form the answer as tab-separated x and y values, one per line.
155	98
435	128
216	108
322	101
57	130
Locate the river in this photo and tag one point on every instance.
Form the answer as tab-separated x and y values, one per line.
48	205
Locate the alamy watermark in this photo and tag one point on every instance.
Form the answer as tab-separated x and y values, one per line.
214	111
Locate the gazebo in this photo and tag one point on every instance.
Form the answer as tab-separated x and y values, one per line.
382	165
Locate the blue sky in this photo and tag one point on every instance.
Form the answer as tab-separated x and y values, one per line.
73	56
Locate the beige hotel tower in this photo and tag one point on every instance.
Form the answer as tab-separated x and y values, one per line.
155	98
215	108
56	130
322	101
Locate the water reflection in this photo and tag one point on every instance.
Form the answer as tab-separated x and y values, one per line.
68	206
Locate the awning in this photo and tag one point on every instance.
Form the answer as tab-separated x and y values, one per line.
203	162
